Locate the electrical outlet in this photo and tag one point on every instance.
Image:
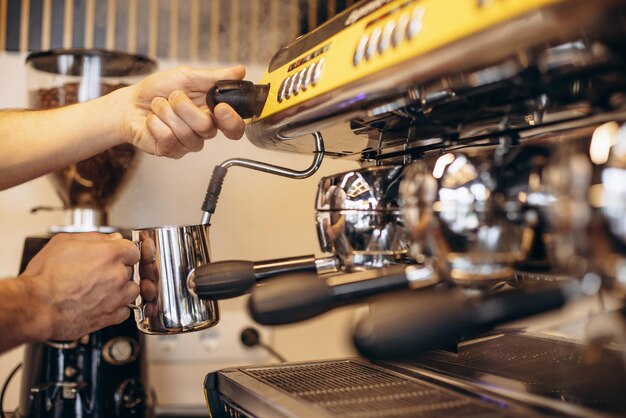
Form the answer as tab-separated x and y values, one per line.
220	344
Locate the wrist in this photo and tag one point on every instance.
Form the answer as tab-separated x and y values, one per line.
119	106
37	314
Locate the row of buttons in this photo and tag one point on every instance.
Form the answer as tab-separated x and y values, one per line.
301	80
392	34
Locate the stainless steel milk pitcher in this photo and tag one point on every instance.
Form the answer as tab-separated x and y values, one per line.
169	255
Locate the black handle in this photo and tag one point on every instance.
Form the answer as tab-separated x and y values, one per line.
232	278
284	300
295	298
245	97
409	324
223	279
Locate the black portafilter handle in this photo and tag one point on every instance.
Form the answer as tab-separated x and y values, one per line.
297	297
245	97
407	325
232	278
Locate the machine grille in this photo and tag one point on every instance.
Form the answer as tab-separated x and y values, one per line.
352	390
550	368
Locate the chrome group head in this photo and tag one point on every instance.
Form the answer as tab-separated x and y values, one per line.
553	205
358	217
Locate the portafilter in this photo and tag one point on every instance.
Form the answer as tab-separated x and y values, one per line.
358	218
358	222
466	212
584	190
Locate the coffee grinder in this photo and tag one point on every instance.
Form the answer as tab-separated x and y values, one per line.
103	374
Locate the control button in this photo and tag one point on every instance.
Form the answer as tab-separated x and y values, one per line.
306	77
309	74
289	86
360	49
400	32
301	84
372	45
385	39
281	90
120	350
415	26
295	84
318	71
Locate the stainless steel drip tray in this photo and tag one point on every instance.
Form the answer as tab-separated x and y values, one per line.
507	375
350	388
541	371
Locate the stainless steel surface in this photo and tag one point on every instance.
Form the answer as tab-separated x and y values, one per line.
466	212
358	217
84	220
283	171
583	195
326	265
169	256
363	239
273	169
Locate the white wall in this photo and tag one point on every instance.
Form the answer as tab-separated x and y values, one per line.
258	217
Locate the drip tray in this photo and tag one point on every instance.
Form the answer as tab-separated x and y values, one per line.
508	375
345	388
538	366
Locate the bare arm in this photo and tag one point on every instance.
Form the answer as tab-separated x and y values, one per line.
164	115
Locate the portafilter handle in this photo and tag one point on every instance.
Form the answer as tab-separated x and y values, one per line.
232	278
285	300
406	325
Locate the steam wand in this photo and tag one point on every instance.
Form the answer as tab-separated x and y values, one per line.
219	173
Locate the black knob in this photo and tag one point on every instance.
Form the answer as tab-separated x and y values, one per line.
245	97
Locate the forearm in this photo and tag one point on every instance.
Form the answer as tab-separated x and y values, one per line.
33	143
20	318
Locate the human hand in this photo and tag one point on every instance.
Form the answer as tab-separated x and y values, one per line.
80	283
168	115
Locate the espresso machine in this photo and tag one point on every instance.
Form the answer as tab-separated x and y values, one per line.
491	137
102	374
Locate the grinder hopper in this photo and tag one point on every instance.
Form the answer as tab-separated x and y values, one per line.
66	76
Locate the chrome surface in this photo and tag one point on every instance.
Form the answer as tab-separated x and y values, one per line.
363	239
295	84
301	80
415	25
283	171
385	40
358	217
281	94
583	195
326	265
372	44
169	255
359	52
317	72
400	30
273	169
306	77
84	220
466	212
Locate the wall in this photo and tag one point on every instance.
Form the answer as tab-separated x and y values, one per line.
258	217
